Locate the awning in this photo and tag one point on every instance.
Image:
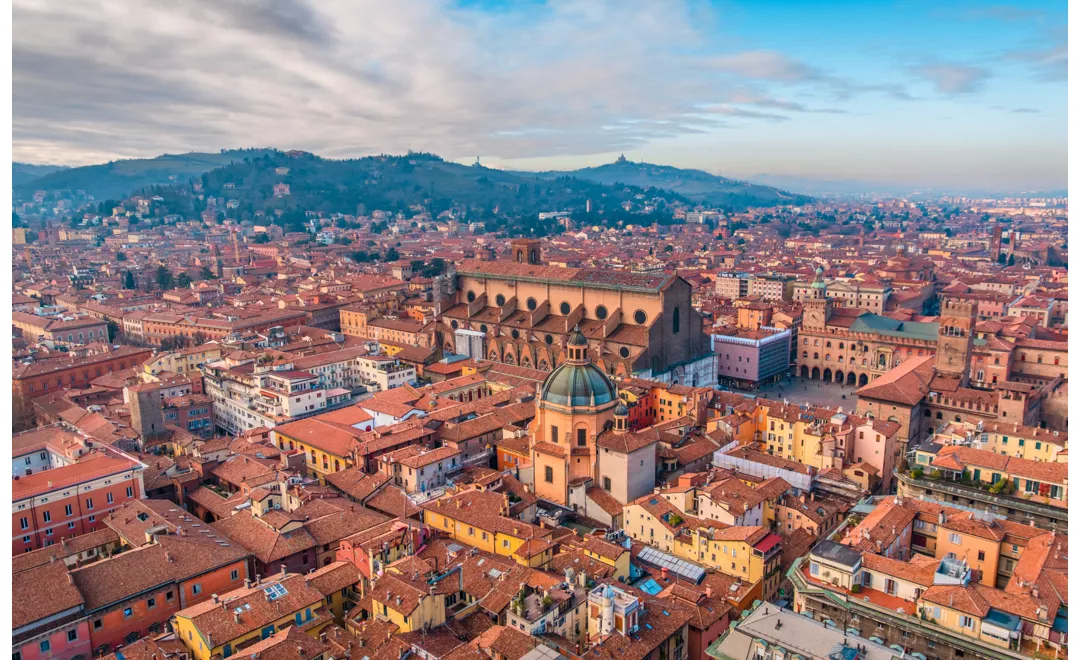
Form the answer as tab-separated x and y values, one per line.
876	640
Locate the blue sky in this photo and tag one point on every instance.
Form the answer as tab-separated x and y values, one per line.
948	95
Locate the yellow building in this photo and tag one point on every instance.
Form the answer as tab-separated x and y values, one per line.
747	552
327	447
228	624
478	518
610	554
407	596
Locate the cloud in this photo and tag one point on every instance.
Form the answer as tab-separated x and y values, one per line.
1049	64
97	80
1025	110
766	65
952	78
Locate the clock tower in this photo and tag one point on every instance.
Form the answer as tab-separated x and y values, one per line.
817	308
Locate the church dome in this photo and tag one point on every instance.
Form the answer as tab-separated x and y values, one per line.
577	381
621	410
577	385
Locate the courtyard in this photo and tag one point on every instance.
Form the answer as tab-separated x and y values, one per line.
804	390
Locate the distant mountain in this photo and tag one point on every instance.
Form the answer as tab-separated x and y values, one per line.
290	184
122	177
23	173
860	188
695	185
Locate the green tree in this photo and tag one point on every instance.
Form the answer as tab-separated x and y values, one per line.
163	278
129	280
392	255
1012	260
120	256
207	274
260	239
113	330
183	281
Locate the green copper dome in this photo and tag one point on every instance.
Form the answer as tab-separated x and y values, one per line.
573	384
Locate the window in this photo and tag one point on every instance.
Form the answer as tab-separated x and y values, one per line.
581	433
967	622
982	555
97	624
128	612
73	634
196	589
108	498
44	646
47	516
549	474
23	523
607	484
235	575
151	603
555	434
130	492
67	509
168	596
601	312
89	503
675	321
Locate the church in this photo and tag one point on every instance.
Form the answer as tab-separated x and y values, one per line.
522	312
583	453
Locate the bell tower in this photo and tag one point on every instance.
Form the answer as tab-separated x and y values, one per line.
525	251
956	331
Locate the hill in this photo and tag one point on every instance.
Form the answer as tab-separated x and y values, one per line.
695	185
23	173
297	182
122	177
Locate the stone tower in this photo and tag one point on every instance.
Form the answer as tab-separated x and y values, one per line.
147	417
956	330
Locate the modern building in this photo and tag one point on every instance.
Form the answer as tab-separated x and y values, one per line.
747	359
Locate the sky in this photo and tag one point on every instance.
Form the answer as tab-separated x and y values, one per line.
932	94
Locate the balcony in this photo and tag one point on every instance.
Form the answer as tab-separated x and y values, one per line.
879	610
1058	514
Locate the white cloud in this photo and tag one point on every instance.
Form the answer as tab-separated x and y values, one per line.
952	78
98	80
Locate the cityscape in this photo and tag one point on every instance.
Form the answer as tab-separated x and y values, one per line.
525	388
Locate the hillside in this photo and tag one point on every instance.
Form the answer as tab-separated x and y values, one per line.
23	173
695	185
122	177
400	184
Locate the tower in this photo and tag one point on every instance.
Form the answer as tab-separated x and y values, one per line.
146	414
525	251
817	307
995	242
956	329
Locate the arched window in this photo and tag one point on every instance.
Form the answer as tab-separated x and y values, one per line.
804	354
841	344
828	344
828	357
815	356
1057	359
1023	357
1038	358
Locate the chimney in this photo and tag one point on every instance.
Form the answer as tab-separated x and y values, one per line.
247	583
214	598
283	573
708	591
236	617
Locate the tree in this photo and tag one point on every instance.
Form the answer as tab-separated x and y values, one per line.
183	281
392	255
1012	260
207	274
129	280
120	256
113	330
163	278
261	239
16	221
